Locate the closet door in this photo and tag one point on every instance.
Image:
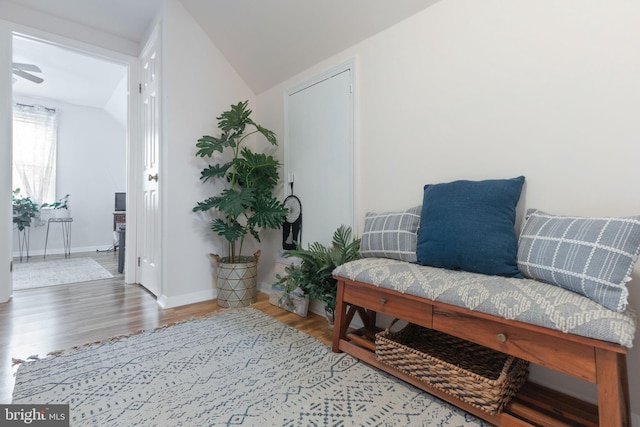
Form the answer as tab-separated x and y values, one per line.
320	153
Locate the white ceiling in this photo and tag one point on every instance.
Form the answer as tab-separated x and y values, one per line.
128	19
266	41
269	41
69	76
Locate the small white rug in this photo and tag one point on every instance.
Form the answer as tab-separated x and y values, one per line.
30	275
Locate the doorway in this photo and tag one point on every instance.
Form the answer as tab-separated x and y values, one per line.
94	133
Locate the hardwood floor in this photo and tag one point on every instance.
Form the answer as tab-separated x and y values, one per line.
39	321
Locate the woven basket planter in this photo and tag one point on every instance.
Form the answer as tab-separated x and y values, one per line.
237	281
482	377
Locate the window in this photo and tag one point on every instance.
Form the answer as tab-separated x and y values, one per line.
35	130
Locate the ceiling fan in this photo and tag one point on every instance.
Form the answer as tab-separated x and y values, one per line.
25	70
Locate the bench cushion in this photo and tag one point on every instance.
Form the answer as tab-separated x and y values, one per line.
524	300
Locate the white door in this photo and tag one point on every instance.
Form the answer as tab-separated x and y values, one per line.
320	153
149	244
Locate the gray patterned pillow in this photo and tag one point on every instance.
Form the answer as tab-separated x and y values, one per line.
391	235
591	256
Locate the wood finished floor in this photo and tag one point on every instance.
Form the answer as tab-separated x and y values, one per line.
38	321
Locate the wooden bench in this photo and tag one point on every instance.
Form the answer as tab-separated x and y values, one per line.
599	362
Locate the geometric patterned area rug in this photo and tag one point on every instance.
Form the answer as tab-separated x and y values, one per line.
39	274
239	367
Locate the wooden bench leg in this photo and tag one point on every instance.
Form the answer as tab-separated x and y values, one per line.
613	389
368	318
339	319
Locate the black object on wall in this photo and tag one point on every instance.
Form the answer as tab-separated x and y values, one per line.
292	224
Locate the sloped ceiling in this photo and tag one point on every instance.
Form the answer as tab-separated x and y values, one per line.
128	19
269	41
266	41
69	76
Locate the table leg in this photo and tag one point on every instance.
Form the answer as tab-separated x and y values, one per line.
46	240
66	238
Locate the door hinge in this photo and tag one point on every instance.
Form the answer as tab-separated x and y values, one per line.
138	261
10	266
139	87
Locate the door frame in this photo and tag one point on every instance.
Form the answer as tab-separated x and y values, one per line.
10	29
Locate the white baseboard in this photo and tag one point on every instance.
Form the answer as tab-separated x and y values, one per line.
60	251
264	288
177	301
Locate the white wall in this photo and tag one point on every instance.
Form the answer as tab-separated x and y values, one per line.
198	85
91	167
117	104
5	154
494	89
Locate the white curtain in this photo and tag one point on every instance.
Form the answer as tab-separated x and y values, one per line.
35	130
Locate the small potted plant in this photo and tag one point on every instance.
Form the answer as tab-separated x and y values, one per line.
24	210
287	294
314	274
60	208
245	205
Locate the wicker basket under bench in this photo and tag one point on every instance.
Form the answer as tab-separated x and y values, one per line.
478	375
596	361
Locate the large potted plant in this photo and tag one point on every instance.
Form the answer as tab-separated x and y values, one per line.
314	274
245	206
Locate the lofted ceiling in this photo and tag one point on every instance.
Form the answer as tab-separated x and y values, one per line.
269	41
69	76
128	19
266	41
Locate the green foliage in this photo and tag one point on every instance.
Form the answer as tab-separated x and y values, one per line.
314	274
62	203
24	209
247	204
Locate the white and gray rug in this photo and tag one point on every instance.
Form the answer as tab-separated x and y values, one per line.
38	274
236	368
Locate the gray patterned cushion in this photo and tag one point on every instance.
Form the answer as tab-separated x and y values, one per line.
591	256
391	235
524	300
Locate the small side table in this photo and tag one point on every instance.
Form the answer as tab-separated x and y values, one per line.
66	235
23	241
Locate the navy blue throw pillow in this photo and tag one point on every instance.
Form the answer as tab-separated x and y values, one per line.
470	226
